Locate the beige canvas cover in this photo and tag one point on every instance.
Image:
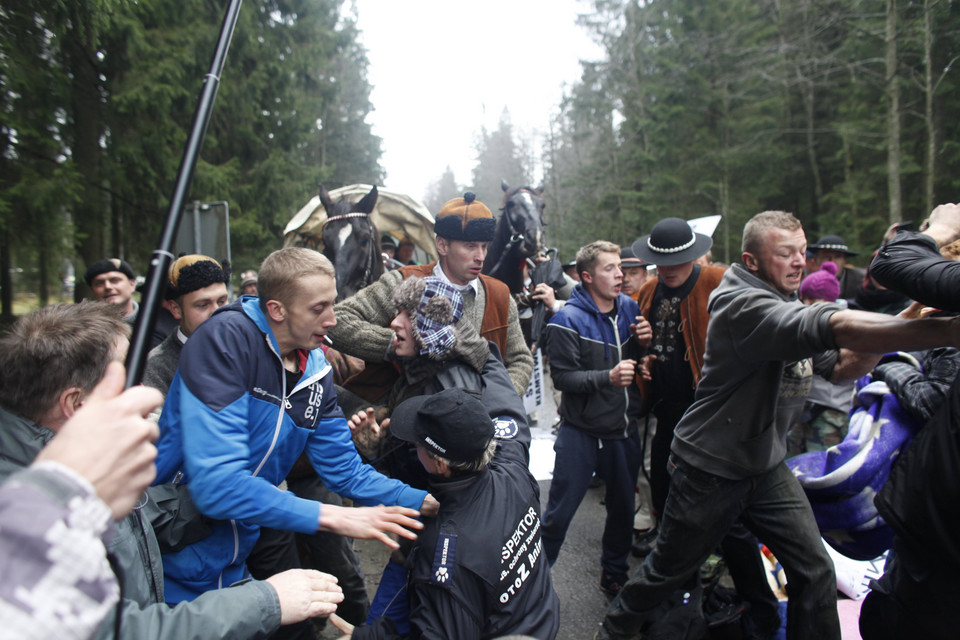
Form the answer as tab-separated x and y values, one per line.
395	213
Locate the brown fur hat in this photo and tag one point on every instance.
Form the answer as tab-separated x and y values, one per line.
434	306
465	219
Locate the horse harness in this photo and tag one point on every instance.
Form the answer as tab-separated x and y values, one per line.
368	267
516	237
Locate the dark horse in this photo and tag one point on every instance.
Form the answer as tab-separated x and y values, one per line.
519	234
351	242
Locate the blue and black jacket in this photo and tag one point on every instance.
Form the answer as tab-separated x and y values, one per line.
583	344
233	429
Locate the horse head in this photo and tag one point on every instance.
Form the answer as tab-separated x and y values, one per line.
523	214
519	234
351	242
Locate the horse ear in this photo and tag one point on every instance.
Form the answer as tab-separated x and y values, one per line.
504	185
325	198
368	202
539	190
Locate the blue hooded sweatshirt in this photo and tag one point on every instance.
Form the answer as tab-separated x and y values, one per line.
232	430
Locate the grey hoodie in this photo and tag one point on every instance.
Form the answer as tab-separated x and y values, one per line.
755	376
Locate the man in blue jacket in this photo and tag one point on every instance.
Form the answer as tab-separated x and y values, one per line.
252	393
593	360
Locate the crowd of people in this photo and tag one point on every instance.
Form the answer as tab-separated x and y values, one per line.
722	396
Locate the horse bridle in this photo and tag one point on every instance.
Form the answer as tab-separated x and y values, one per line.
516	237
368	269
344	216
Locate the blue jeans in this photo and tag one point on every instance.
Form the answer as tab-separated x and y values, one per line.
579	454
701	508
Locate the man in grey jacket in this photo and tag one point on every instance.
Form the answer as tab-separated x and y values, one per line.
50	362
728	451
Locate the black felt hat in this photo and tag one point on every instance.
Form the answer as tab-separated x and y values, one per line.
628	260
833	243
451	424
671	242
107	265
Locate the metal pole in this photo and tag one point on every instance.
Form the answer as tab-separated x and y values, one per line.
162	257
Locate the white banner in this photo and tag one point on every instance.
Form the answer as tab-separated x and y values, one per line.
533	398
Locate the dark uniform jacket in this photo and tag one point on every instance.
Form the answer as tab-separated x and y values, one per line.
477	570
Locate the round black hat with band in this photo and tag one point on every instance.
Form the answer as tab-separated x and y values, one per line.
671	242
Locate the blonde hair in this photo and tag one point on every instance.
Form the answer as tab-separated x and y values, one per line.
280	274
757	225
588	255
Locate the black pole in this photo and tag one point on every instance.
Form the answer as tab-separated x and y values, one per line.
162	256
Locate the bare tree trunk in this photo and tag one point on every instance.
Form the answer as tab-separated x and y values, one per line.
928	90
6	282
43	287
893	116
809	103
87	126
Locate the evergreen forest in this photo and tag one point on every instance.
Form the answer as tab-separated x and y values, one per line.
845	112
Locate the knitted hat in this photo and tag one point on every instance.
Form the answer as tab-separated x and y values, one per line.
822	284
465	219
192	272
452	424
107	265
435	306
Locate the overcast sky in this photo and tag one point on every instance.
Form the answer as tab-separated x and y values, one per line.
441	70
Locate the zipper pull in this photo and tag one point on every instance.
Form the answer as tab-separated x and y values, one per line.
286	403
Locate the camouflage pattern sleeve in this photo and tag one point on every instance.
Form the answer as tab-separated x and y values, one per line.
57	582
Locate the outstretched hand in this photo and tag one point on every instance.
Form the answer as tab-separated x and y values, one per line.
943	225
305	593
370	523
110	442
366	433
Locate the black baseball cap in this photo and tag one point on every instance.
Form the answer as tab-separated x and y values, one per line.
452	424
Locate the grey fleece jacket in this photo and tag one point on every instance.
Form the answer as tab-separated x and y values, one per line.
757	338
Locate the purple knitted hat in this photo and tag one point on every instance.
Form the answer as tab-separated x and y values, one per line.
822	284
